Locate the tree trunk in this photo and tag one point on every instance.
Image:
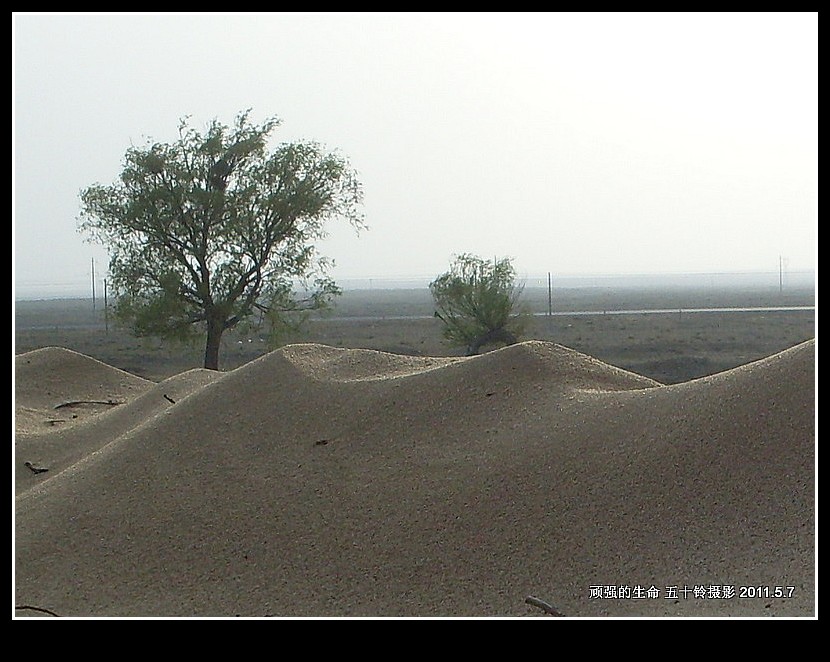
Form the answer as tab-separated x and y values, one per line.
493	335
215	328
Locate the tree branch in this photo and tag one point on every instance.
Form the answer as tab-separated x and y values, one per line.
38	609
544	606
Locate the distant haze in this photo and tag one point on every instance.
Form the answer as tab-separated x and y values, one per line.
574	143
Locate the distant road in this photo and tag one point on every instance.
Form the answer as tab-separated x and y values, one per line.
565	313
557	313
654	311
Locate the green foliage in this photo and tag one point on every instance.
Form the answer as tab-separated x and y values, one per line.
207	230
477	302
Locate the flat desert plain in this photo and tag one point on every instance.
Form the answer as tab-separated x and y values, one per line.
317	481
740	325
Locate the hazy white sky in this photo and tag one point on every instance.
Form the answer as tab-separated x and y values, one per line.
571	142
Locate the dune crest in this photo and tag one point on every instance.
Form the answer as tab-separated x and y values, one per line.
326	363
530	359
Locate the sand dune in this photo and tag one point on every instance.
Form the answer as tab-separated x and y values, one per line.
57	388
324	482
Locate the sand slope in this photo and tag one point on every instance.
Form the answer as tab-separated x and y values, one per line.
64	446
324	482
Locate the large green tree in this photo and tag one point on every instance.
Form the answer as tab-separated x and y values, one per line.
477	300
208	230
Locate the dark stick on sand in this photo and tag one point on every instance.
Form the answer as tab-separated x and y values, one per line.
544	606
40	609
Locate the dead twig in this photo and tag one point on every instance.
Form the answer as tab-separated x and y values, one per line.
77	403
40	609
544	606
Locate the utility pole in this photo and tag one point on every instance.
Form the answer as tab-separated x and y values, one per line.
106	310
550	296
93	284
780	275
